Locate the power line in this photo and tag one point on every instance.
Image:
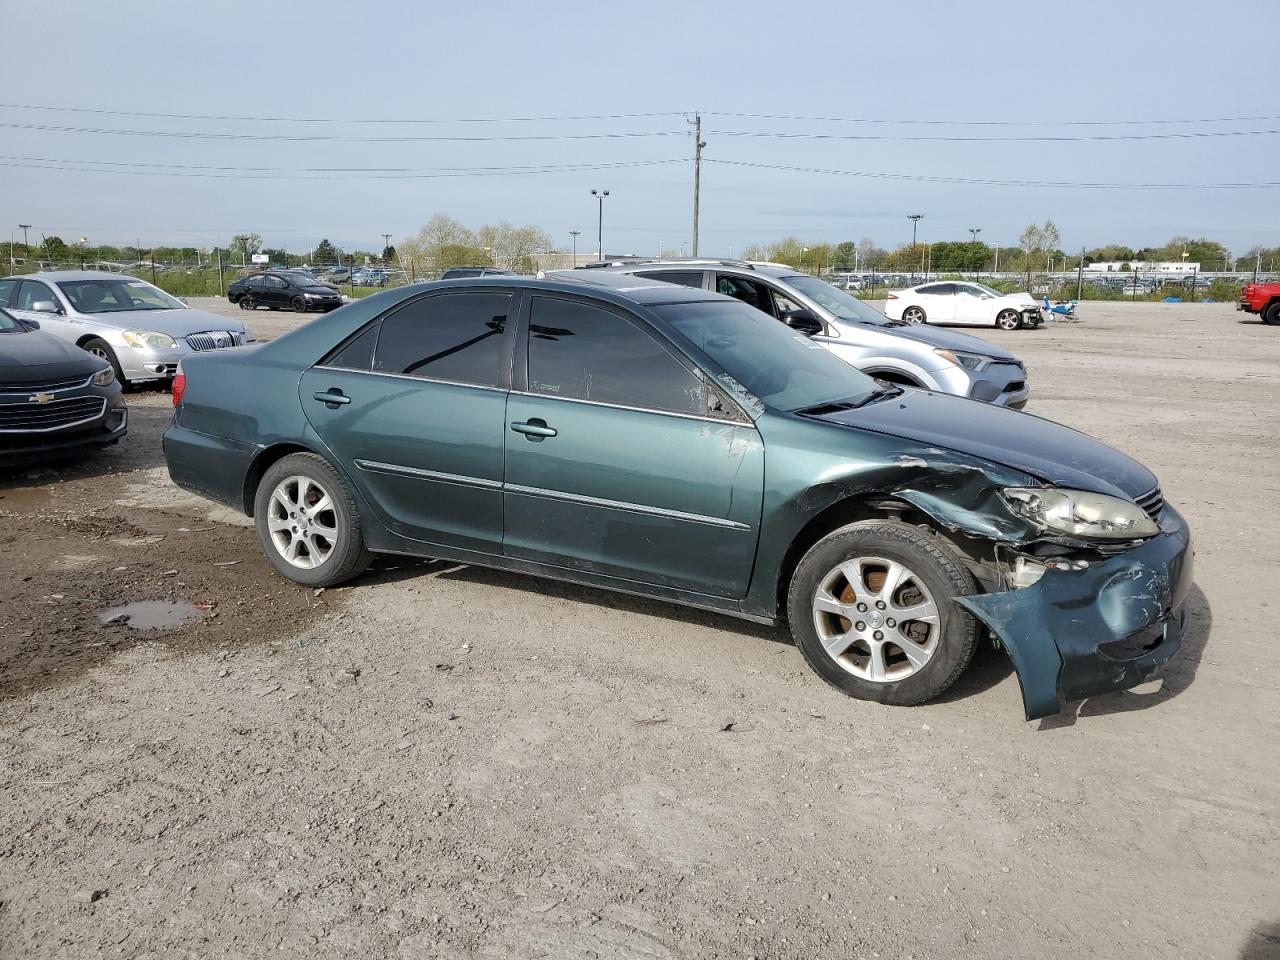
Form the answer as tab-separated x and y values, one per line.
233	174
206	116
101	111
506	167
334	138
1082	185
991	123
1045	138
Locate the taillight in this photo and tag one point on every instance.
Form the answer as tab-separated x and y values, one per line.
179	384
893	296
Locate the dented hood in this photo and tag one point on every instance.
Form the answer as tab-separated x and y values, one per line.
1049	451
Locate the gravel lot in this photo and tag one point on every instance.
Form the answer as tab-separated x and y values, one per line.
439	761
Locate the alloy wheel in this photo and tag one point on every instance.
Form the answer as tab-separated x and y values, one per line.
913	315
876	619
302	522
1009	320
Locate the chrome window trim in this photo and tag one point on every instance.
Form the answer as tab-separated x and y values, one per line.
374	466
620	406
410	377
624	505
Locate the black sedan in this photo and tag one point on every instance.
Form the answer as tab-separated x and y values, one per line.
55	399
283	291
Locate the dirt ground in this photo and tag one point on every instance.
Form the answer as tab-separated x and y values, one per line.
439	761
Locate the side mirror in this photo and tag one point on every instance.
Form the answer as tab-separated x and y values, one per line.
46	306
802	320
28	323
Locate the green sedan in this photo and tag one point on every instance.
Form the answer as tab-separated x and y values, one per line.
674	443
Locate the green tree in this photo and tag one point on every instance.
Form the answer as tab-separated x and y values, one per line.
325	253
388	253
245	245
54	248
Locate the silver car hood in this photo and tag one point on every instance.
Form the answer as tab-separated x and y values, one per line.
176	323
934	337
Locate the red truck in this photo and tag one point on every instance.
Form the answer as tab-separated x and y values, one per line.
1262	298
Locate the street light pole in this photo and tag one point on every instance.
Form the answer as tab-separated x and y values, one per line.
386	242
975	231
574	234
915	219
600	195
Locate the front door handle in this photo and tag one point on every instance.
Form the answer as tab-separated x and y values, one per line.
333	397
535	429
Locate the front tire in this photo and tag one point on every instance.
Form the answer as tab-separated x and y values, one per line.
101	349
871	609
299	305
914	315
307	522
1272	315
1009	320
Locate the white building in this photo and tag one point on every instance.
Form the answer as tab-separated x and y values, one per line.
1142	266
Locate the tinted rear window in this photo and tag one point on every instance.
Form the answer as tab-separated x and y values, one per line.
453	336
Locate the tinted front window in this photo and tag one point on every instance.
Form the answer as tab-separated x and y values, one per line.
7	290
583	352
837	301
686	278
454	336
31	293
783	368
748	291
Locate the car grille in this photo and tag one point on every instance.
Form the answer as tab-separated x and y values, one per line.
215	339
55	415
1151	502
49	386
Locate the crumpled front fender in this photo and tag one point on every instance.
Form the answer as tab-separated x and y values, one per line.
1111	626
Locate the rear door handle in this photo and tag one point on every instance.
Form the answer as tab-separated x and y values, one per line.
535	429
332	397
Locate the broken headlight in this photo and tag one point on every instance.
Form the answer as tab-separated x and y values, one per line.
1078	513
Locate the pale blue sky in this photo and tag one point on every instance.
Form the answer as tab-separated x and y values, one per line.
909	61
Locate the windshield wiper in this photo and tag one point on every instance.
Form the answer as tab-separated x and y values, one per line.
835	406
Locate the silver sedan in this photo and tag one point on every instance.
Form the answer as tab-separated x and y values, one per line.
141	330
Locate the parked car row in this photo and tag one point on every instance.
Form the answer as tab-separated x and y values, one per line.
692	432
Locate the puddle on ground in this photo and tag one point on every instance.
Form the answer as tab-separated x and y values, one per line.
25	498
151	614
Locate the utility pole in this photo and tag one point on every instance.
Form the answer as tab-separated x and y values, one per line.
222	290
1080	277
698	144
600	195
26	247
574	234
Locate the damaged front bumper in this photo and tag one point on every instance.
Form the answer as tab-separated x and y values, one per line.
1110	626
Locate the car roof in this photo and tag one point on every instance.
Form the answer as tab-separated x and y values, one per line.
57	275
776	271
617	288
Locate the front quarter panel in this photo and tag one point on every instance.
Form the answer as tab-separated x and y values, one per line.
810	466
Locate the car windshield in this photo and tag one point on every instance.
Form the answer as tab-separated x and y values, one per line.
839	303
783	368
116	295
9	325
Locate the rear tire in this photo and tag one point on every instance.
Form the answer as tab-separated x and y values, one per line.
1272	315
914	315
101	349
307	522
246	302
919	656
1009	320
